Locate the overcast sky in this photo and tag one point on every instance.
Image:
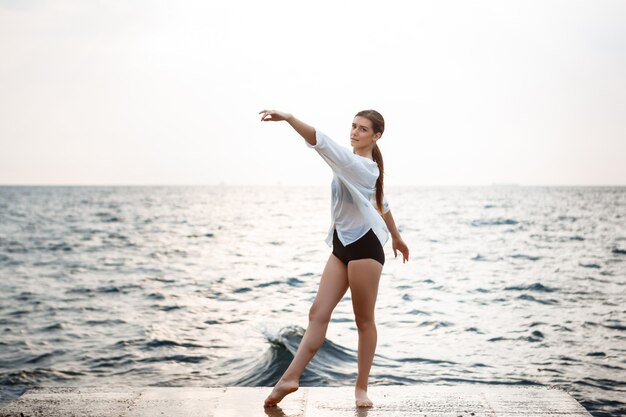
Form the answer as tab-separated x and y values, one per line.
163	92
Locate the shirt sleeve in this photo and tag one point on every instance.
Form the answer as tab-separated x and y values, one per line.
341	159
385	203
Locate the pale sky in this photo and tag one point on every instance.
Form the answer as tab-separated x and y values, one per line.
163	92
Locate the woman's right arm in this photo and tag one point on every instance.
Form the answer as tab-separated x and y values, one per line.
341	160
306	131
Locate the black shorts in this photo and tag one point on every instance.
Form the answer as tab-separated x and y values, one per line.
367	247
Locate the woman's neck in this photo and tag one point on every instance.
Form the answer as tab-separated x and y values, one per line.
365	153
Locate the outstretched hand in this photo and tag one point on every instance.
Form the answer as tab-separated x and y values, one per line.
273	115
399	245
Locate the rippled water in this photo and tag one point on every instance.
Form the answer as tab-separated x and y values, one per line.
207	286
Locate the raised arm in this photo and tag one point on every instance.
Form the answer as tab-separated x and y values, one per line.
306	131
342	160
396	240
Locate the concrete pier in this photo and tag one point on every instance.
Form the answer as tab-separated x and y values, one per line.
389	401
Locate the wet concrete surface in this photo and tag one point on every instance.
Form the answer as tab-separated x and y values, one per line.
396	401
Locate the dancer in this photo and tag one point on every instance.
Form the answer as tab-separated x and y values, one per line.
360	226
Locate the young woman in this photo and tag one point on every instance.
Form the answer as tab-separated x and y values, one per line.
361	221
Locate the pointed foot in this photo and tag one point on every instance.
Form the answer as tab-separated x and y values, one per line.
282	388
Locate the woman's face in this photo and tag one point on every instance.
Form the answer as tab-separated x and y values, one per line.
362	136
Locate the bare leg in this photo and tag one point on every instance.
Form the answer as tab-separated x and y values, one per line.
363	278
333	285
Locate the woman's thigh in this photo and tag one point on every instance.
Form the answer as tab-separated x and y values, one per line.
333	286
363	280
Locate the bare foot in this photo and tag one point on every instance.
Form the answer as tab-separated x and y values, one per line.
362	400
282	388
275	411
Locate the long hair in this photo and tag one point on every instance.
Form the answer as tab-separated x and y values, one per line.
378	125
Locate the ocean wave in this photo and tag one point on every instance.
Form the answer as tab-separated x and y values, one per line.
332	364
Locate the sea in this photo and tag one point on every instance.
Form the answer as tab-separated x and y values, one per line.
211	286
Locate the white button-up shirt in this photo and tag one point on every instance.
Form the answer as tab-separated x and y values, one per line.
353	200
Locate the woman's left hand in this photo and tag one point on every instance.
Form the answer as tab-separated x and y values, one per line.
399	245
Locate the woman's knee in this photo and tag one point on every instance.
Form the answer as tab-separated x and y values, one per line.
365	324
319	314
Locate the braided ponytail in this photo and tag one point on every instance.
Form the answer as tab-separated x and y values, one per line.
378	125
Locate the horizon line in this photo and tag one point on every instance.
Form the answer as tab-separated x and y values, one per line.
223	184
